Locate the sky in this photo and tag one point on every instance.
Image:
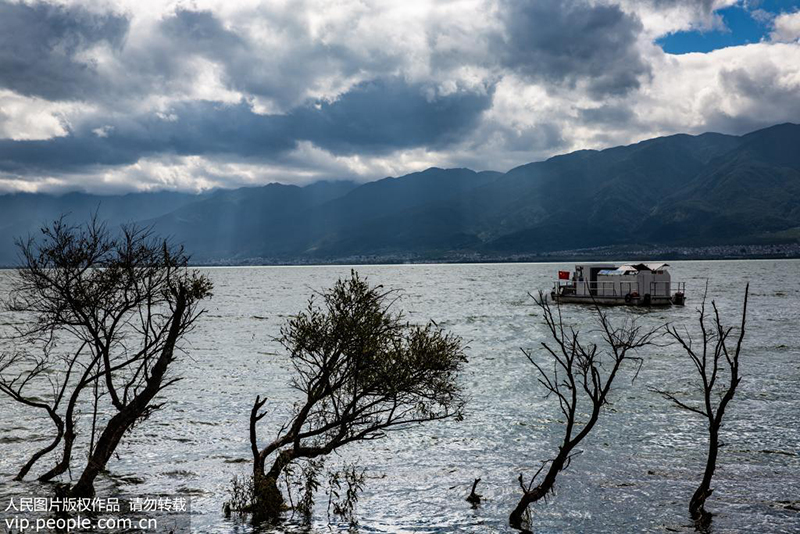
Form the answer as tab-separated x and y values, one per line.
112	96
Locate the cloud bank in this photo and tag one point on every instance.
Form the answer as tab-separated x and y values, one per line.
140	95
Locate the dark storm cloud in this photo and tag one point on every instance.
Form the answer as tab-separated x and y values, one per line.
704	6
618	115
204	31
572	41
39	45
191	128
374	117
388	114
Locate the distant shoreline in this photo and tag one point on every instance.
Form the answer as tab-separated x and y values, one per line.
589	255
466	261
594	255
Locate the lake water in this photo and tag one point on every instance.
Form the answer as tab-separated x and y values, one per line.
638	469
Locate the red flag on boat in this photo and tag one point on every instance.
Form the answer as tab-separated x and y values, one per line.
563	275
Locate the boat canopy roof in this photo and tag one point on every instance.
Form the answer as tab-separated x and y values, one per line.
632	269
646	266
609	269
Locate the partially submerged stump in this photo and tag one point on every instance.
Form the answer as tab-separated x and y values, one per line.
474	498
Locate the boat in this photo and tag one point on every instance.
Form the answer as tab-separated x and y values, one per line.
641	284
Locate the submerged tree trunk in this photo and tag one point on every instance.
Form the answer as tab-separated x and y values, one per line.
137	408
516	519
268	501
697	504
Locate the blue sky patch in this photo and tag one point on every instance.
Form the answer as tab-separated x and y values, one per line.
743	25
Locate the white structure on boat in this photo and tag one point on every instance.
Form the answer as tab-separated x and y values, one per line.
644	284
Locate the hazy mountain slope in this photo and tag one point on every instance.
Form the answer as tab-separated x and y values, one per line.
24	213
236	223
393	214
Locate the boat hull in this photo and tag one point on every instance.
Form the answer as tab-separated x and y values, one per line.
611	301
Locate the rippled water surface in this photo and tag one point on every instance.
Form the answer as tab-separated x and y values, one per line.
638	469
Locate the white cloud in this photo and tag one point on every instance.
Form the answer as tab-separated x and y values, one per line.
103	131
27	118
786	28
733	90
662	17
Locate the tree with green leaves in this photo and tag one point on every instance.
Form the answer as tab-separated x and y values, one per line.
361	370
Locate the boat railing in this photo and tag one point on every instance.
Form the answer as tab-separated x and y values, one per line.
602	288
667	288
659	288
664	288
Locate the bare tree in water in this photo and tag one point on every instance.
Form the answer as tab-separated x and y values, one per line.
362	371
103	316
579	375
715	357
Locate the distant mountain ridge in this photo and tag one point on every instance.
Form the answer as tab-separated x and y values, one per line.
709	189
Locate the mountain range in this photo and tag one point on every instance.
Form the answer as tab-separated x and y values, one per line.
680	190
